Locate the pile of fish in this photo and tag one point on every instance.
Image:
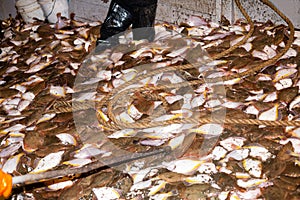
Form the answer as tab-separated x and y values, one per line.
42	65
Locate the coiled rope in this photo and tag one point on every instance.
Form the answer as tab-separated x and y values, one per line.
110	99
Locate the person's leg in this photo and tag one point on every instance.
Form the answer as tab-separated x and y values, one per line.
144	17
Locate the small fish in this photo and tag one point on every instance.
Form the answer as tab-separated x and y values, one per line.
106	193
138	52
269	51
284	83
32	80
78	162
224	195
238	154
48	162
19	43
213	103
260	54
123	133
176	142
254	167
23	105
195	20
168	129
141	185
233	143
124	117
294	141
218	153
134	112
207	168
272	114
178	52
208	129
28	96
258	151
198	101
290	53
257	97
241	175
14	128
164	196
61	36
57	91
271	97
183	166
46	117
199	179
284	73
84	33
294	102
251	183
155	143
60	185
88	151
237	40
67	139
233	105
157	135
158	187
140	175
168	117
20	88
173	98
52	46
38	67
250	194
130	75
247	46
11	164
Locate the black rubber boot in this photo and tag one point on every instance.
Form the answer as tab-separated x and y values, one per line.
123	13
118	20
143	22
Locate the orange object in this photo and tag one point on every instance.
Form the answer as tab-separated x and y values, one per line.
5	184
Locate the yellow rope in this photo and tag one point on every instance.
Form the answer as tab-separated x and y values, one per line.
64	106
119	92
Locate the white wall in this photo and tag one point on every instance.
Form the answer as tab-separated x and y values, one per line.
176	11
7	7
261	12
89	10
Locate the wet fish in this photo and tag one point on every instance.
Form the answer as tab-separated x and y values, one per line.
40	64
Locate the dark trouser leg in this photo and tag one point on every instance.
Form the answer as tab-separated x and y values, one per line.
118	20
143	22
